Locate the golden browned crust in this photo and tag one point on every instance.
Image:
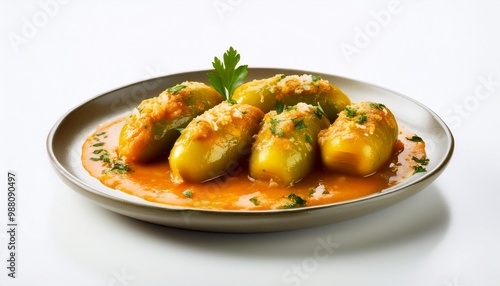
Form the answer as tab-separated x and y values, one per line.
301	85
242	115
138	128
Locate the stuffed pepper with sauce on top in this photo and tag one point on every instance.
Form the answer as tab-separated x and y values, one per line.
152	128
213	142
361	140
267	93
285	148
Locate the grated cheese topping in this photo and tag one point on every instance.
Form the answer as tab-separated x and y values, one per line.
305	84
347	127
220	115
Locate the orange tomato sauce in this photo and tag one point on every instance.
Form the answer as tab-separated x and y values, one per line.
236	191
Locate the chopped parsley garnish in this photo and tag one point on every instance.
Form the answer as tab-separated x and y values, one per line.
415	138
275	121
119	167
299	124
176	88
350	112
116	165
361	119
103	155
319	111
308	139
105	158
378	106
419	169
227	75
315	77
273	129
296	201
101	133
280	106
254	201
423	161
188	193
311	192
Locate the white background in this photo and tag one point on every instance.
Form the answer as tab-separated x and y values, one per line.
55	55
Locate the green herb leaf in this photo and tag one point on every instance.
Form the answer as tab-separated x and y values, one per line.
227	75
188	193
216	82
422	161
315	77
415	138
319	111
254	201
378	106
119	167
101	133
296	201
361	119
300	124
351	112
419	169
273	129
280	106
308	139
115	164
176	88
311	192
105	158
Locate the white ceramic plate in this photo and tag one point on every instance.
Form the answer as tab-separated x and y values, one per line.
64	145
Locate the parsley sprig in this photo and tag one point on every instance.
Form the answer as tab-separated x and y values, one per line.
227	75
